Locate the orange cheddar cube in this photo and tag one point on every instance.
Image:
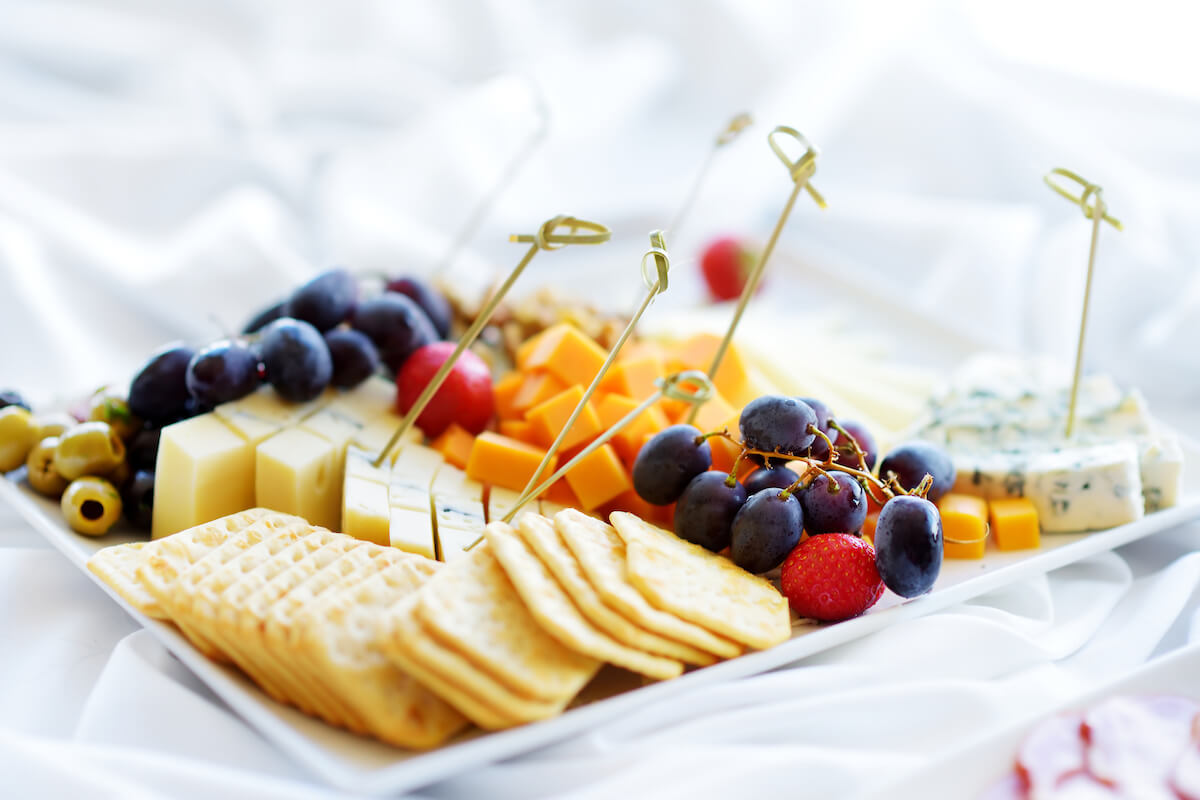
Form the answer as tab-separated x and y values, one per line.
628	441
519	429
549	417
455	444
506	462
504	392
643	348
1014	523
712	416
560	492
725	452
599	478
868	528
965	519
535	388
566	353
633	503
634	377
734	378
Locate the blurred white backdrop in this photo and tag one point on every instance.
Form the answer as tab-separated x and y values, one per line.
167	167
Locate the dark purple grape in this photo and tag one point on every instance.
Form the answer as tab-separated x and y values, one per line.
705	511
820	409
223	371
159	393
297	359
432	302
840	511
911	462
864	439
777	424
667	463
354	357
138	499
264	318
142	452
770	477
908	545
765	530
396	325
10	397
325	301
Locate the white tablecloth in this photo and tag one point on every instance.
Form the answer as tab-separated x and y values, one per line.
166	169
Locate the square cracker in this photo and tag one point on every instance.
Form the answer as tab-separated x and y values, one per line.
118	565
601	553
702	587
544	539
472	607
554	610
447	673
340	637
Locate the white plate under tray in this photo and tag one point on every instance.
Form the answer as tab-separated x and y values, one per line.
361	765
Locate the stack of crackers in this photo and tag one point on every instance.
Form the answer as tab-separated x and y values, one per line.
408	650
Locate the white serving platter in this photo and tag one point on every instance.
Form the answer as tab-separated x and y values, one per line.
972	769
362	765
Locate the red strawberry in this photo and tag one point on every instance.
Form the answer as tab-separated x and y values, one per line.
831	577
727	263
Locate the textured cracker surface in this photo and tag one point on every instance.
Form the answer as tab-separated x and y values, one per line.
341	637
601	553
701	586
544	539
554	610
117	566
472	606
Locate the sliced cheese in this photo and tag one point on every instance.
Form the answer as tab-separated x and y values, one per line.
204	471
458	512
410	500
299	472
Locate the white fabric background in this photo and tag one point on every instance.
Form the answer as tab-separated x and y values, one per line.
166	168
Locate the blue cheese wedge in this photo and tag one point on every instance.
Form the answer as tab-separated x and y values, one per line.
458	512
1003	421
410	500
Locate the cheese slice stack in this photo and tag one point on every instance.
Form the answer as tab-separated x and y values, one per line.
1003	420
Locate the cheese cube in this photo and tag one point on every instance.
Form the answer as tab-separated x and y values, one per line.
549	417
458	512
1014	523
965	519
366	514
536	388
712	416
204	471
359	464
519	429
371	398
505	462
455	444
566	353
375	434
299	472
411	530
598	478
504	393
263	412
734	379
411	499
628	441
634	377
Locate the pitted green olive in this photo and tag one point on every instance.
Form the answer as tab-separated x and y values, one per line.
53	424
90	448
18	435
112	408
91	506
43	475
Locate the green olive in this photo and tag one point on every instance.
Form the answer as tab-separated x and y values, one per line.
91	506
43	475
90	448
112	408
18	435
53	424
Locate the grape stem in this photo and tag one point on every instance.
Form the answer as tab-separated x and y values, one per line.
854	446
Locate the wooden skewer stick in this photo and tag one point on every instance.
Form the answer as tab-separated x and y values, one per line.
735	126
690	386
801	170
656	284
507	176
546	238
1097	212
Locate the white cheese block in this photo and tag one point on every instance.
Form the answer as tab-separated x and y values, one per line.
1084	488
458	512
299	472
264	412
359	464
376	433
204	471
501	501
411	501
366	514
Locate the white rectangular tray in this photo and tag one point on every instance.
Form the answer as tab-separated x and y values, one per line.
969	771
361	765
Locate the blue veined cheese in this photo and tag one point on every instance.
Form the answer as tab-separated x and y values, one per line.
410	499
458	511
1083	488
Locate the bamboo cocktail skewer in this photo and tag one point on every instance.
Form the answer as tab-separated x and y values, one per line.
546	238
801	170
1096	212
